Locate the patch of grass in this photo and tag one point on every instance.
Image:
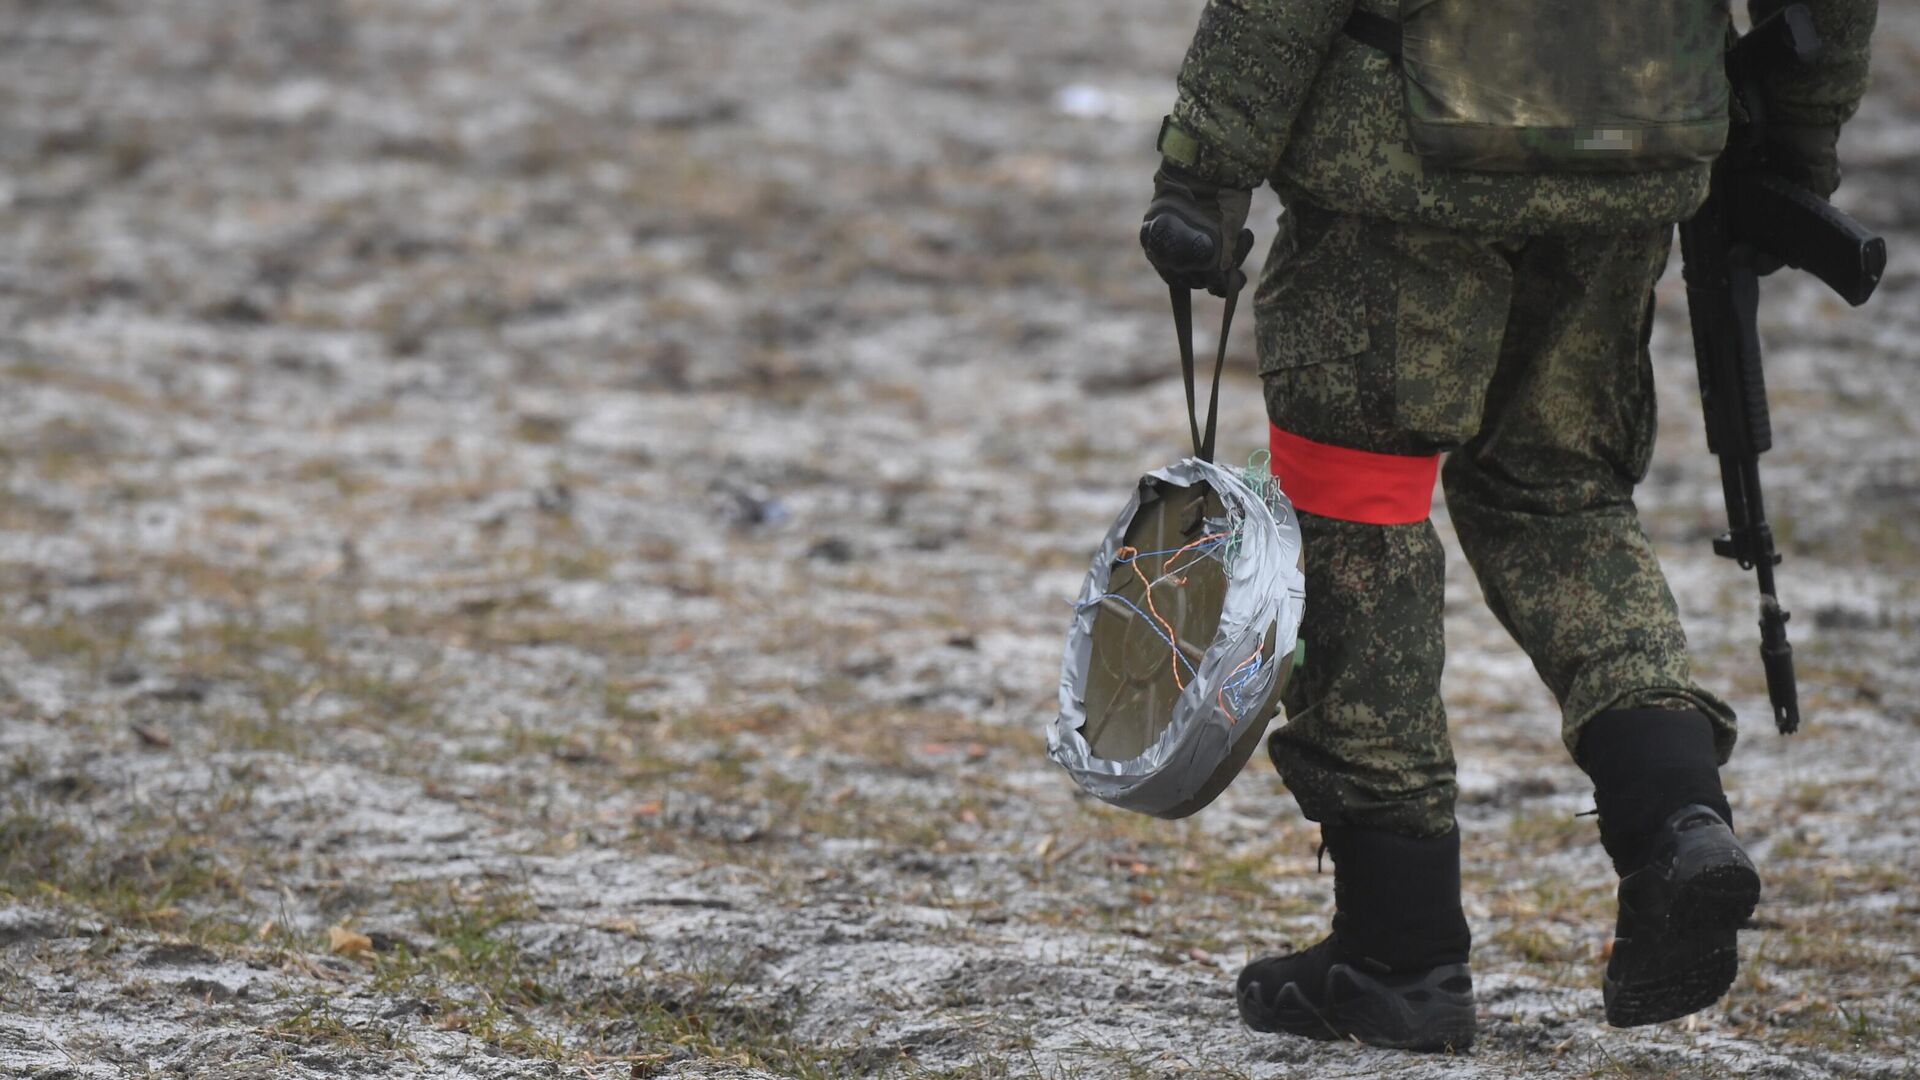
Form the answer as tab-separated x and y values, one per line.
521	618
1805	797
1547	832
96	640
1833	952
1798	845
1143	1063
345	480
140	880
1604	1062
1542	946
541	430
21	512
285	663
32	848
559	555
478	979
714	1013
230	514
618	702
316	1021
255	729
1833	1024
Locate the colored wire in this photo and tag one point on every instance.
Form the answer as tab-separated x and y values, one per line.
1143	615
1173	640
1235	684
1204	547
1149	554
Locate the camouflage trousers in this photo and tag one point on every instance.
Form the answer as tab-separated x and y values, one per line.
1524	359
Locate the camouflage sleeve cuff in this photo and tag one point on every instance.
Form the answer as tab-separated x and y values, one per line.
1196	155
1827	91
1794	103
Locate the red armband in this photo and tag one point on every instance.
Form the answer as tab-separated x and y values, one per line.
1353	485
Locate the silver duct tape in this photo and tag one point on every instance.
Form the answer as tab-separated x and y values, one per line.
1266	591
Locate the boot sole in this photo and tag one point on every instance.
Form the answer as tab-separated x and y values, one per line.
1682	991
1710	904
1429	1014
1719	897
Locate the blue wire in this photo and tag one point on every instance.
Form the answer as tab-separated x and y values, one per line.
1252	669
1232	688
1151	624
1203	548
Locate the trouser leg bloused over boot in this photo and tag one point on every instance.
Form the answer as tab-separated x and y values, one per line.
1525	358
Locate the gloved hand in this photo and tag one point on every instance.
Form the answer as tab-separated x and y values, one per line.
1806	155
1194	232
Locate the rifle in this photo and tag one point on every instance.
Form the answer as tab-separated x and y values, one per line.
1752	223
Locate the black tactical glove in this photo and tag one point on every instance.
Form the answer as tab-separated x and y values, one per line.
1187	227
1806	155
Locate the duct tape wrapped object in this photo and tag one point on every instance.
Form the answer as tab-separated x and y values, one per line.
1182	639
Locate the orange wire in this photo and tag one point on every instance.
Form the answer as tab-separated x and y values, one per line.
1164	563
1129	555
1147	587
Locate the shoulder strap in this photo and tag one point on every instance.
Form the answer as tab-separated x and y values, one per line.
1377	31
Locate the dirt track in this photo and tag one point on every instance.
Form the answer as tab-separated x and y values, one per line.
534	540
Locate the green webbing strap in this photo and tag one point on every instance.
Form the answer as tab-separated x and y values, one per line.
1183	329
1176	145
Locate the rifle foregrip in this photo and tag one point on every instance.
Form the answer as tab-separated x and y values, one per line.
1744	385
1754	414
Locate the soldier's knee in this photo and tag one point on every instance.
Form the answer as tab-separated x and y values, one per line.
1476	481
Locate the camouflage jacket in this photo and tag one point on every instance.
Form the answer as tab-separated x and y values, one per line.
1273	90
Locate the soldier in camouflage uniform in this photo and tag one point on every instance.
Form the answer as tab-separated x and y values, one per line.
1496	312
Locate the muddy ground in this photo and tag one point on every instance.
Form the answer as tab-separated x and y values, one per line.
535	538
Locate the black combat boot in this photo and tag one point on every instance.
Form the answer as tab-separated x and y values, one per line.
1685	884
1394	971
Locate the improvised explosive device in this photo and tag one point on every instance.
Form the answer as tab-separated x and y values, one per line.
1184	632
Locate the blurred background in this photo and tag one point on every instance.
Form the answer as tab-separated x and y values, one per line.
535	539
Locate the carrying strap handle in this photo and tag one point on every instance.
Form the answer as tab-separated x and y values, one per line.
1183	329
